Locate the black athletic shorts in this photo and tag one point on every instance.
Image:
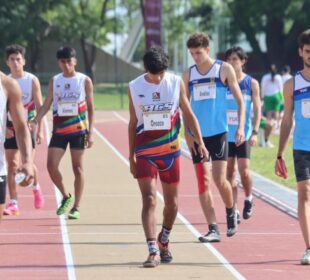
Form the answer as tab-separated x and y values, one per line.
243	151
217	147
62	141
302	165
11	144
2	189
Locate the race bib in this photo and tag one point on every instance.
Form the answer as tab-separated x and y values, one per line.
305	108
67	109
204	91
157	121
232	117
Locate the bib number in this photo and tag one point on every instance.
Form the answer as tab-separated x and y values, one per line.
157	121
204	91
232	117
305	108
67	109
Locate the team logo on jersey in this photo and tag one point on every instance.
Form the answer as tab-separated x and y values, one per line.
67	86
156	95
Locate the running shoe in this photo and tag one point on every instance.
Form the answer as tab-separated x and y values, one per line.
306	258
65	203
268	144
232	224
11	210
74	214
211	236
247	209
38	199
164	252
153	260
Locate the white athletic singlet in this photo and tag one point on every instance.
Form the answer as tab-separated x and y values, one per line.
3	113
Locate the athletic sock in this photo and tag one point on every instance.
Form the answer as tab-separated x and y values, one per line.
213	227
36	187
151	244
14	201
164	235
229	211
249	198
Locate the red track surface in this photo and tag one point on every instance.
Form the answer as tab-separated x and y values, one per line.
268	246
31	244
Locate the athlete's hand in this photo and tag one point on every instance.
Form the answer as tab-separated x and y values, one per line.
28	170
9	133
190	143
239	137
133	166
89	141
39	137
280	168
253	140
203	152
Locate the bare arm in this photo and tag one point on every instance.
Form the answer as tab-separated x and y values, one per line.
230	76
257	111
37	96
287	122
16	109
47	103
190	121
89	89
132	135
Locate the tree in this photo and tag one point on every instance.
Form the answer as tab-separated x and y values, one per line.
22	22
279	21
85	21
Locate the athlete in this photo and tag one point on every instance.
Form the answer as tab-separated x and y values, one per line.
71	94
297	107
206	85
250	92
32	99
154	148
11	101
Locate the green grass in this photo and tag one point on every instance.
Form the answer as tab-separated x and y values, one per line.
110	97
263	162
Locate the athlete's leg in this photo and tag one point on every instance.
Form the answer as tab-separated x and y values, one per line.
245	176
303	188
148	192
12	157
54	157
231	177
205	195
2	195
219	170
79	179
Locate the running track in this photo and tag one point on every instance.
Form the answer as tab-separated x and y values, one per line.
268	246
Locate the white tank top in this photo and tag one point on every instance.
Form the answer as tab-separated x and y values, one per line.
3	113
25	84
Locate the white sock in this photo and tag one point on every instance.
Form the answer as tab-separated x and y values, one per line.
249	198
36	187
14	201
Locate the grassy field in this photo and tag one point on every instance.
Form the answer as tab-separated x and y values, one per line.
110	97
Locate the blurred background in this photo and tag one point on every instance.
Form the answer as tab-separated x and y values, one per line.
110	36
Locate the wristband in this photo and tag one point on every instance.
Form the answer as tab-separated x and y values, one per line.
254	132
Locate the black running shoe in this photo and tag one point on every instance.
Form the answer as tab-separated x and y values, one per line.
232	224
248	209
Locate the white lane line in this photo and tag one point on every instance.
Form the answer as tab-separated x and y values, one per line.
136	233
215	252
63	224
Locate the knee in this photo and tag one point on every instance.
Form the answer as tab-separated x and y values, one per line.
51	167
149	201
304	195
220	181
245	174
77	170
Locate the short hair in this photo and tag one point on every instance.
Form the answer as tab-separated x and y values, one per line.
304	38
155	60
15	49
238	51
65	53
286	69
198	40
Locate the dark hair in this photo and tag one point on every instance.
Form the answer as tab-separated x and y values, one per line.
286	69
273	71
14	49
238	51
304	38
198	40
65	53
155	60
